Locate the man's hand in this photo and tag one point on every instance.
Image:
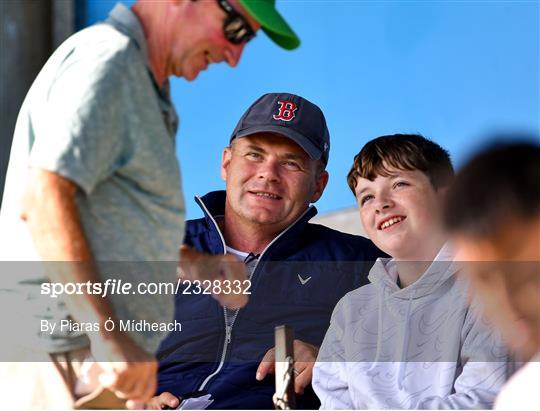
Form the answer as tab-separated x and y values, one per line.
127	370
304	354
226	269
163	401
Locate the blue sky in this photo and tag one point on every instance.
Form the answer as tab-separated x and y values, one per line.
451	70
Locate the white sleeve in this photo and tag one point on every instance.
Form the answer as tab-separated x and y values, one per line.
329	374
484	367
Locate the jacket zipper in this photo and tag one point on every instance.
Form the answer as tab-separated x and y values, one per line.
228	328
228	333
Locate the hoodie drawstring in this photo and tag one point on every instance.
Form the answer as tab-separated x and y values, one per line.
405	342
371	369
404	346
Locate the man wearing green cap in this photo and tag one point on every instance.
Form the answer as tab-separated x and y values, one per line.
95	144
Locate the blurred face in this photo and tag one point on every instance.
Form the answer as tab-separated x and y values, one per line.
504	273
270	181
401	214
200	41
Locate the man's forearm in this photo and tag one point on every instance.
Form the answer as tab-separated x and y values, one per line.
50	210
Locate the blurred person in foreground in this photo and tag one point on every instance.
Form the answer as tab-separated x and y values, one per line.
93	178
493	213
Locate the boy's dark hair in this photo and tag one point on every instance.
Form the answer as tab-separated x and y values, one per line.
404	152
498	184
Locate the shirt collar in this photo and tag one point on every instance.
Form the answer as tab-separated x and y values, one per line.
124	20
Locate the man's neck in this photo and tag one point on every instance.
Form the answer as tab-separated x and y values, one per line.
245	237
155	40
247	240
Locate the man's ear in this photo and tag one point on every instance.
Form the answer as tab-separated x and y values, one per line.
225	161
320	184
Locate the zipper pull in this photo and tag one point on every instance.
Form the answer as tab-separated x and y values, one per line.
228	332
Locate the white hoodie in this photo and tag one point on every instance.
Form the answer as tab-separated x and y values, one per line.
417	347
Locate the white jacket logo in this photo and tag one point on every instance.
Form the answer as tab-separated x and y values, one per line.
303	281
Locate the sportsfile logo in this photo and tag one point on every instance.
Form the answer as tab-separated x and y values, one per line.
286	111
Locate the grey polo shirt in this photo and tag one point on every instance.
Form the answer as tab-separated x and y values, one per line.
96	116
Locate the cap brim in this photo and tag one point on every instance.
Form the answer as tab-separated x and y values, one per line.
313	152
273	24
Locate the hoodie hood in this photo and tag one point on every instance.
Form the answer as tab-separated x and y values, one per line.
384	275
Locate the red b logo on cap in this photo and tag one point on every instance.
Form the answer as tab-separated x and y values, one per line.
286	111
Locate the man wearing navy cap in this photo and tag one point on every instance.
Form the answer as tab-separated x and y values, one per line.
274	169
94	178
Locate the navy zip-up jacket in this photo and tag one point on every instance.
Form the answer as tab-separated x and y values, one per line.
297	281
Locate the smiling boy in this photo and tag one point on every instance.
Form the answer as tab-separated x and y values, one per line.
407	339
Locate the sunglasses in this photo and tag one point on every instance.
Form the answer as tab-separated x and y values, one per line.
235	27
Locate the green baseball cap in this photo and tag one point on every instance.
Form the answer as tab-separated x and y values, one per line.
273	24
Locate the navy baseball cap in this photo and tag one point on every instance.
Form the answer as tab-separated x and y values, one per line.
291	116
